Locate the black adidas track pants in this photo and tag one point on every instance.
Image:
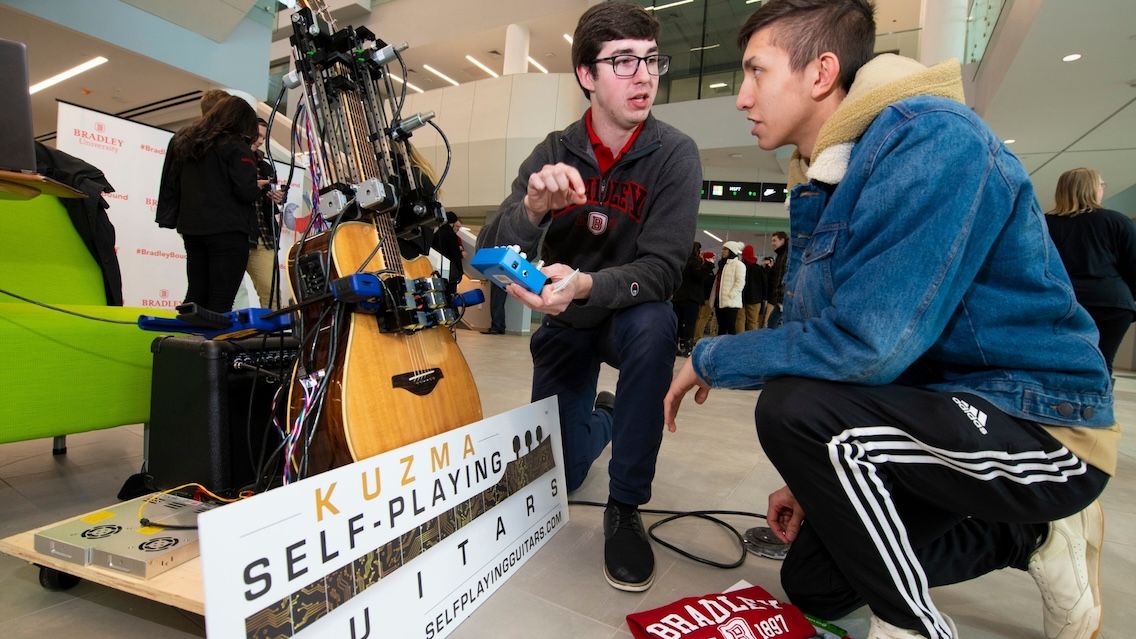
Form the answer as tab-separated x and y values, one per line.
905	489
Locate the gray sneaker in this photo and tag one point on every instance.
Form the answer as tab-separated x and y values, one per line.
1066	569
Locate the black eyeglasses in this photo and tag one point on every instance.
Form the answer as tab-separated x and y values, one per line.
626	65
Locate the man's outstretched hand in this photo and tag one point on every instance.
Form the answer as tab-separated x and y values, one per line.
784	515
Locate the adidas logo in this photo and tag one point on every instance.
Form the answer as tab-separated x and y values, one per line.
976	416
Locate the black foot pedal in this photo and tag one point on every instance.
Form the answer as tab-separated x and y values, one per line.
761	541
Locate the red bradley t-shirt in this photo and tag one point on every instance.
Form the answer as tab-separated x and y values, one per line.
749	613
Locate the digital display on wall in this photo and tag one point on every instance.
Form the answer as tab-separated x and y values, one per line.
734	191
773	191
744	191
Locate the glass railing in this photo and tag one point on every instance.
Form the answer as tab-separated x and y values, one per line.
980	20
701	38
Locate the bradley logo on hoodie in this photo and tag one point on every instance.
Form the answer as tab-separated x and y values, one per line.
627	198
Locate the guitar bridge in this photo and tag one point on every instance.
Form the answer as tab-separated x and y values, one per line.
418	382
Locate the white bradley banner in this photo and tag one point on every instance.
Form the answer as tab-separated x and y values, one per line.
405	544
131	154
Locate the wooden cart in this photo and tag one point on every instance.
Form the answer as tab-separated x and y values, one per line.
180	586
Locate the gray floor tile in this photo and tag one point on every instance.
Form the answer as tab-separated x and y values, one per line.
106	613
516	616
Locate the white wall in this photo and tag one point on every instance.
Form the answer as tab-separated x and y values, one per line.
492	125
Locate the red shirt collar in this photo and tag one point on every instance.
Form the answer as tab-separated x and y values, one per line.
604	157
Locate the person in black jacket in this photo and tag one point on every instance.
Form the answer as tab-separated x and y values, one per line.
776	291
688	298
1098	247
208	195
705	308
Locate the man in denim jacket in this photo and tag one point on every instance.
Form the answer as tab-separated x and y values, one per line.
934	401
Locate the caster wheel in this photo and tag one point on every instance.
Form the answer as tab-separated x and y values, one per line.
52	579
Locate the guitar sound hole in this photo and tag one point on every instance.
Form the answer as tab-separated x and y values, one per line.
418	382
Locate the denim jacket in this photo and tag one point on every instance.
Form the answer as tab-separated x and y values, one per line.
941	278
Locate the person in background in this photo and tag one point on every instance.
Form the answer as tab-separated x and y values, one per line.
780	243
167	213
262	262
753	295
765	270
1098	248
706	309
731	281
688	299
610	204
934	401
497	299
208	191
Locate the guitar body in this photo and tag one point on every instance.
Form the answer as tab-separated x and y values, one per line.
385	389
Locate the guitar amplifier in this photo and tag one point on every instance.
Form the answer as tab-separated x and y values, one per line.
210	408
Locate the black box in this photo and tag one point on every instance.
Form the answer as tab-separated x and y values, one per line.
200	397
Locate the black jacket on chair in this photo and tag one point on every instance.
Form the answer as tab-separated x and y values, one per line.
88	215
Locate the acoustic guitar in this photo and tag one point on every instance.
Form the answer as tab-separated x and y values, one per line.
386	389
365	383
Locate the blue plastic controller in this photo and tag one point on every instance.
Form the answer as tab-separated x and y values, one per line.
505	265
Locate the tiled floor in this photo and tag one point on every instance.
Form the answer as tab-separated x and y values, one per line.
713	461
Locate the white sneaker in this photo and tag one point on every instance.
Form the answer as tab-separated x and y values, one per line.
881	629
1066	568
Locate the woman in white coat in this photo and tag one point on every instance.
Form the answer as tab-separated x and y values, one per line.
731	281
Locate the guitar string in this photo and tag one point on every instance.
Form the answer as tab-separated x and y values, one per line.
369	167
414	346
390	240
413	340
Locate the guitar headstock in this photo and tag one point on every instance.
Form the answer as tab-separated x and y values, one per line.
319	7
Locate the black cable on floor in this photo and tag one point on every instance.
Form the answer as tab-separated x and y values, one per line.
708	515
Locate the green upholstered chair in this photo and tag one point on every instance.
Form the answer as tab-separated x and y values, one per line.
60	373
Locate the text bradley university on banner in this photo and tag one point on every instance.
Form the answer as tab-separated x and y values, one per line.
404	544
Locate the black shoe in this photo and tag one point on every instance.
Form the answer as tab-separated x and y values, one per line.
629	563
606	401
493	331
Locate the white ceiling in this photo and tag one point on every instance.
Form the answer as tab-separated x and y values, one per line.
1062	114
1070	114
214	19
478	29
126	81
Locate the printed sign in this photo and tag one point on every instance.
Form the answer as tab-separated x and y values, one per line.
404	544
131	154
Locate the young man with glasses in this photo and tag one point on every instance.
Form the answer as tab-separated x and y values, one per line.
610	204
